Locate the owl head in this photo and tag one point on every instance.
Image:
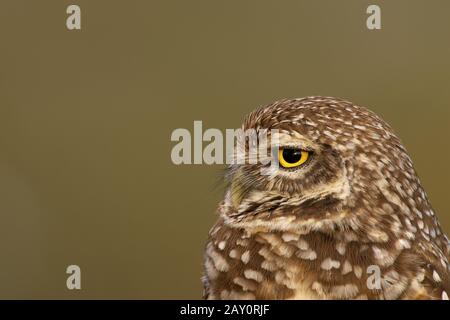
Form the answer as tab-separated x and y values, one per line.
336	163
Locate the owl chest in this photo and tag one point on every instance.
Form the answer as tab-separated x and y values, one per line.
260	266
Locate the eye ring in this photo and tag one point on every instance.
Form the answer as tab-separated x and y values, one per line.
292	157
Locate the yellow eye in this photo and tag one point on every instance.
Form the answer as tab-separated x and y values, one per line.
290	158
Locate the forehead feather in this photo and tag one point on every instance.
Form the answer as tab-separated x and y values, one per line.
326	120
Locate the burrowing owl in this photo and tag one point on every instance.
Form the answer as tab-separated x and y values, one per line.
343	216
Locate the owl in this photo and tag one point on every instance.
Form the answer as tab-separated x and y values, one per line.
342	215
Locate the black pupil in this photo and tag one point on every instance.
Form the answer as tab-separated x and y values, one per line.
292	155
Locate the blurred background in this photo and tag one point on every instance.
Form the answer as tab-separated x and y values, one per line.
86	117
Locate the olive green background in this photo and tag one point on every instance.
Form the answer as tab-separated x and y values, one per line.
86	117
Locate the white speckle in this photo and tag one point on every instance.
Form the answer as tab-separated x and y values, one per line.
329	264
222	245
409	235
289	237
246	285
269	265
284	250
283	279
420	224
433	233
436	276
410	226
219	262
383	236
310	123
308	255
363	248
302	244
421	276
265	253
272	239
444	295
401	244
379	254
418	213
340	247
242	242
358	271
214	231
245	257
329	134
253	275
346	268
350	236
